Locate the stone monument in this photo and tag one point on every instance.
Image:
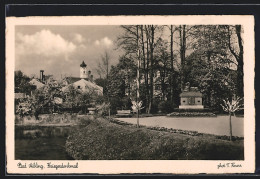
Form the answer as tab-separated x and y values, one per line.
191	98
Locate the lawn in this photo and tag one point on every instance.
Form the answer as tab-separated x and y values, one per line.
209	125
104	140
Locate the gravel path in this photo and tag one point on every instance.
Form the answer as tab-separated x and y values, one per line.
211	125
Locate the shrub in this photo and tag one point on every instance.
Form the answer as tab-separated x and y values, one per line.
103	109
126	102
86	120
165	106
100	99
115	103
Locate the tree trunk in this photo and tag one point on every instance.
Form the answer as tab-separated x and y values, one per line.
36	114
171	77
137	80
239	58
182	32
145	68
151	68
146	79
240	81
230	127
147	71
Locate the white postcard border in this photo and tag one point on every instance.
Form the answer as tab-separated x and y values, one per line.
137	166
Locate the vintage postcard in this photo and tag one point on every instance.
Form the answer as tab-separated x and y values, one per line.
130	94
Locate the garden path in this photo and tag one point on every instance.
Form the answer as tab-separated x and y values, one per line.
211	125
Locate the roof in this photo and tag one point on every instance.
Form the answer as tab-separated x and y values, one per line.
191	94
83	64
73	79
37	83
86	84
89	84
46	77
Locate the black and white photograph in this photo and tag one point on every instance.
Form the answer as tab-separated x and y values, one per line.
130	94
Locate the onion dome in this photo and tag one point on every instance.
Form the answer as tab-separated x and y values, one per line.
83	64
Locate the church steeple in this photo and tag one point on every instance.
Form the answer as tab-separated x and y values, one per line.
83	64
83	70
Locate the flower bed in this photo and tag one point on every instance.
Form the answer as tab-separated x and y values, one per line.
192	110
191	114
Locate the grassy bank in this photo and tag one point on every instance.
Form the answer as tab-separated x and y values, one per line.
103	140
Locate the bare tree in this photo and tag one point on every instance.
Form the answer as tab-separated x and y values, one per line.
143	40
104	64
231	107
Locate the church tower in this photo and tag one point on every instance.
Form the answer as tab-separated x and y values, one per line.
83	70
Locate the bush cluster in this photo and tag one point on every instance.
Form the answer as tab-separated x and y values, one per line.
159	106
165	106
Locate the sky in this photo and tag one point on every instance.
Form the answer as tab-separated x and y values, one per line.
59	50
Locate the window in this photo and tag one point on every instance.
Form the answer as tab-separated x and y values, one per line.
183	101
78	87
198	101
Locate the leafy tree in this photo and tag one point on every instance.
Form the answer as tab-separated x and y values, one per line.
214	79
162	66
37	102
202	55
24	108
22	84
44	98
120	83
101	82
77	98
208	66
70	97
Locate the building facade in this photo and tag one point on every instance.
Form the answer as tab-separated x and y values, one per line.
84	83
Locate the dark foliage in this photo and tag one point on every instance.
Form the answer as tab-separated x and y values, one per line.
22	84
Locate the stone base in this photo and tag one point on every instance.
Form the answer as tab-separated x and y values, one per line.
191	107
